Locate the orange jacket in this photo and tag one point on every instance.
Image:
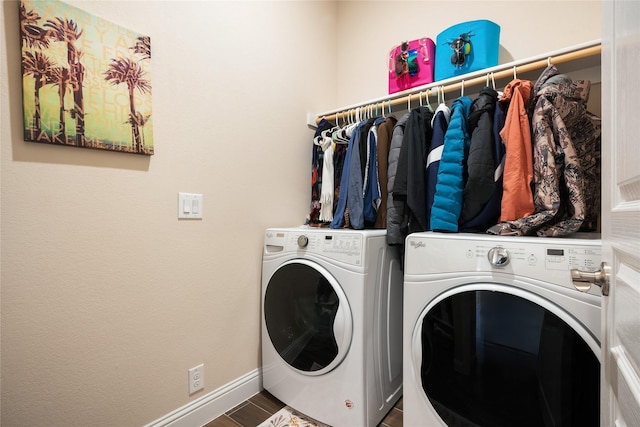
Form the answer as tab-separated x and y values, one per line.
517	198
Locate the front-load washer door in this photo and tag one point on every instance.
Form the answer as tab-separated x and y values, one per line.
307	316
496	356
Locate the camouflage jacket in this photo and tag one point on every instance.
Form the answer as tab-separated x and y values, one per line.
566	160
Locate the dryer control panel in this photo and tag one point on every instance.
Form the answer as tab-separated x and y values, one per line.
545	259
555	257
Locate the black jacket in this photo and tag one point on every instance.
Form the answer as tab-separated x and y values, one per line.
411	180
480	183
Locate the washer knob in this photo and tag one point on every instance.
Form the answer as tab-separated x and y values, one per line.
498	257
303	241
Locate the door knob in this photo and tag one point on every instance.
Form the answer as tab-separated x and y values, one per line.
582	280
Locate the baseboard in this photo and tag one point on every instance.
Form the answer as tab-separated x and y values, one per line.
212	405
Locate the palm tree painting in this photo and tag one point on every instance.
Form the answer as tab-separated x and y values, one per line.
38	66
86	81
123	70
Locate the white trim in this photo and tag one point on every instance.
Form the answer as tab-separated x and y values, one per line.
210	406
627	371
435	155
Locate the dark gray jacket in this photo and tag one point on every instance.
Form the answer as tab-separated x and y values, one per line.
395	210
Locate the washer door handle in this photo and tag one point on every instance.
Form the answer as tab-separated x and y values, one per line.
582	280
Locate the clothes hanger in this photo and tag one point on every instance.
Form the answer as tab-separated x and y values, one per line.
355	123
338	133
348	127
426	95
340	136
442	106
493	84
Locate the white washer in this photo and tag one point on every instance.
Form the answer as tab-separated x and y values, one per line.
495	333
332	323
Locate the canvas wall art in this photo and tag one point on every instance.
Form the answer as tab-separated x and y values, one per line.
86	81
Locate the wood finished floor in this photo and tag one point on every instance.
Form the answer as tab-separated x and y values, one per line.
258	408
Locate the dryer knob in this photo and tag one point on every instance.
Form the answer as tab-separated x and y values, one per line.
498	257
303	241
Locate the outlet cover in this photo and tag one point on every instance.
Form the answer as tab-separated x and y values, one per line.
196	378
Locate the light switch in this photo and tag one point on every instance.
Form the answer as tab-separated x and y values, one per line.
189	206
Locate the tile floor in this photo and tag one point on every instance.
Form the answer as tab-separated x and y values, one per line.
258	408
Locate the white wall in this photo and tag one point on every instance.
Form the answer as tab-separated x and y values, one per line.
106	298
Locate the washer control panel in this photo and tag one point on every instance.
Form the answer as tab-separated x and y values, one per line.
343	246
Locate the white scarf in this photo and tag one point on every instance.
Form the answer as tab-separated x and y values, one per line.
326	194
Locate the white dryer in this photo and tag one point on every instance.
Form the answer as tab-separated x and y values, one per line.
495	333
332	323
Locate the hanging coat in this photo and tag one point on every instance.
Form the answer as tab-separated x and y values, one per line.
447	204
356	176
483	190
385	132
566	160
410	183
395	209
481	166
371	188
517	198
317	158
341	208
339	155
440	123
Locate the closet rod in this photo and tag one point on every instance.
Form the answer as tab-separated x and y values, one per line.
501	71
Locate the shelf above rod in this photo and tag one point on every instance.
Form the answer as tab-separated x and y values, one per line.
472	79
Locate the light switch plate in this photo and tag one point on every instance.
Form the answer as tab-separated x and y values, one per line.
189	206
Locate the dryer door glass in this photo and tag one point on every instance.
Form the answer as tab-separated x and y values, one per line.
301	307
496	359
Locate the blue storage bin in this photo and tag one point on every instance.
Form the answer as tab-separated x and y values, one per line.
466	47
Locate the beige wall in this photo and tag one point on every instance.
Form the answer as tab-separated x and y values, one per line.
367	30
107	299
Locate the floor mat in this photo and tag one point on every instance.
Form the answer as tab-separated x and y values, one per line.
289	417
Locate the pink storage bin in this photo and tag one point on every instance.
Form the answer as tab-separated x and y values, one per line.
411	64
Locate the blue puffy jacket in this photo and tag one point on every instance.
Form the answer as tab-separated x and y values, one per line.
447	203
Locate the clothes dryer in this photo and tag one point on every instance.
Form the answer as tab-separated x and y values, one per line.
332	323
495	333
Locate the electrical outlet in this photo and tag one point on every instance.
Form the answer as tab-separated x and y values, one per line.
196	378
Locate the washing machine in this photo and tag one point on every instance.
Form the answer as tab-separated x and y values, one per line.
332	323
496	334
